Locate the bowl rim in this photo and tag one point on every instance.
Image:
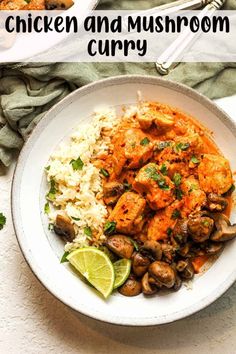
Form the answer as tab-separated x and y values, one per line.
51	113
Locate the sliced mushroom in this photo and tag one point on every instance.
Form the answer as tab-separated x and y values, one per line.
58	4
200	228
216	203
140	264
185	269
151	249
147	287
185	249
180	231
120	245
132	287
112	192
64	227
224	230
163	273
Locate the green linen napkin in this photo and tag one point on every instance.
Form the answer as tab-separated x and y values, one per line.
29	90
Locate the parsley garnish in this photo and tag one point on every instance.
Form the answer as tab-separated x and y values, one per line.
175	214
163	169
169	231
47	208
104	172
145	141
50	227
127	185
2	221
109	227
77	164
194	159
64	257
47	168
177	179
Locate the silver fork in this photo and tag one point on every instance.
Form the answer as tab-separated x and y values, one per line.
169	58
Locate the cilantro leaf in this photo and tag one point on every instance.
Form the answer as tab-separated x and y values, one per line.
52	190
177	178
88	232
109	227
194	159
63	258
47	208
104	172
2	221
181	146
74	218
163	169
175	214
145	141
162	145
77	164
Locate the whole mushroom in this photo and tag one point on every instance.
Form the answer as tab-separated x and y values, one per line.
140	264
121	245
132	287
148	288
151	249
163	273
200	227
64	227
216	202
185	269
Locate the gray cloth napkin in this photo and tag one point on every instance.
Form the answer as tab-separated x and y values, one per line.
29	90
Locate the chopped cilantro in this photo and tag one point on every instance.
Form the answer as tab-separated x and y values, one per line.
175	214
88	232
104	172
178	193
163	169
52	190
50	227
194	159
145	141
63	258
47	208
47	168
206	223
127	185
136	247
109	227
74	218
152	173
162	145
181	146
77	164
177	179
2	221
169	231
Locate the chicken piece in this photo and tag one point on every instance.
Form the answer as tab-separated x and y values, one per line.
194	198
58	5
163	221
132	149
214	174
35	5
13	4
157	188
128	213
148	116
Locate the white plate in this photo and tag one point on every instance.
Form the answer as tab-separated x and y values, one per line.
43	249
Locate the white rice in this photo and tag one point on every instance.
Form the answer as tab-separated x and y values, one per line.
77	191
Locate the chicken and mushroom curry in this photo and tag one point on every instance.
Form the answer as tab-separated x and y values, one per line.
168	192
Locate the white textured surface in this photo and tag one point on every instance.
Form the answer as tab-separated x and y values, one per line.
33	321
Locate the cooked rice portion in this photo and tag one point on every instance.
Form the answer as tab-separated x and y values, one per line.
77	191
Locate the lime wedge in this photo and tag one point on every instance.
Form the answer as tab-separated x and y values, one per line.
96	267
122	271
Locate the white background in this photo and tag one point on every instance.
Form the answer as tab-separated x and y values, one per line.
33	321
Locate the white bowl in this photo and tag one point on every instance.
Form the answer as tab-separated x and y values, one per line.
42	249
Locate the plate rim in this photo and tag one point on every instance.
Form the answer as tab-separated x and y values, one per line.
52	112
